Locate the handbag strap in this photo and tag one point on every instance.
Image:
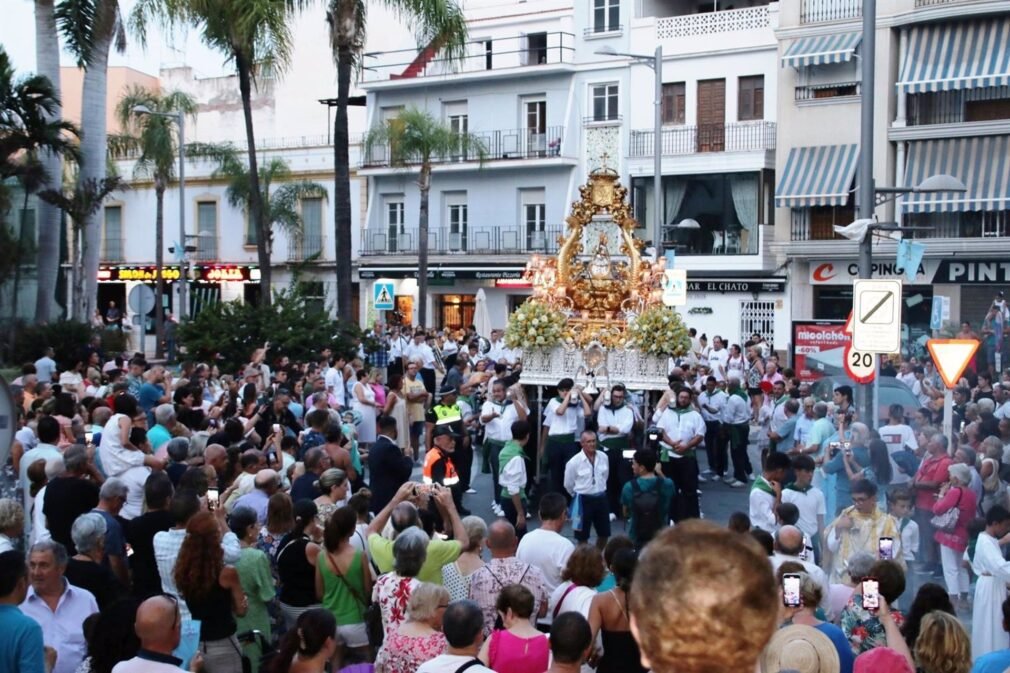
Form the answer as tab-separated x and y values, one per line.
557	608
354	592
470	664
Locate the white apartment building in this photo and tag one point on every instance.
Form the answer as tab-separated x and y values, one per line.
550	108
942	107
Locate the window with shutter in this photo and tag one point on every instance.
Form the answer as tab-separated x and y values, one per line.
750	102
673	105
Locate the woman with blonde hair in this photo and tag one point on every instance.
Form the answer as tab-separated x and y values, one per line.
334	486
419	638
456	575
943	645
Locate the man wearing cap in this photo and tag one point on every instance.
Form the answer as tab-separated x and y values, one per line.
497	416
561	422
439	467
453	413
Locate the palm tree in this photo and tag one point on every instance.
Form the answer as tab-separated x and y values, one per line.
47	64
256	36
280	206
440	25
151	138
90	28
80	204
414	139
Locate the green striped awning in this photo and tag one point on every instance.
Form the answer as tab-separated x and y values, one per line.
817	176
966	55
837	48
982	164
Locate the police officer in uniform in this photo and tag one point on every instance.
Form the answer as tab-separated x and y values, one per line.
448	413
439	467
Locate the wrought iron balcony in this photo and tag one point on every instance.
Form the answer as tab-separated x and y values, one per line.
679	140
472	239
306	248
510	144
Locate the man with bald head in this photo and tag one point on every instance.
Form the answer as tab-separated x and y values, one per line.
265	484
789	547
158	627
502	570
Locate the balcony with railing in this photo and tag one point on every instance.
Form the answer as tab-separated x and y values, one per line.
510	144
817	224
687	26
112	250
472	239
680	140
305	248
816	92
526	52
822	11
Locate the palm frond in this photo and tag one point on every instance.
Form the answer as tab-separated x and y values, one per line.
85	197
440	23
76	20
414	137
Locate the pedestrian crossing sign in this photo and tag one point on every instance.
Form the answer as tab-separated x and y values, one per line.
382	296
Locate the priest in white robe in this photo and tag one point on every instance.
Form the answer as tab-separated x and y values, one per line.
987	633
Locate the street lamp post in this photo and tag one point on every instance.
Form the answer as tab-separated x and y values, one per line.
866	192
180	121
656	63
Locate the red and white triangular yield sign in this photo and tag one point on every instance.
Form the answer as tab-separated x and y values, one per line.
951	357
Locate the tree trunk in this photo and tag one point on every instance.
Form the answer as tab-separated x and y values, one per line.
424	183
159	269
342	187
244	69
47	62
13	335
93	155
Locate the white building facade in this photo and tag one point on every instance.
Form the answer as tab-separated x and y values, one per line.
549	108
942	107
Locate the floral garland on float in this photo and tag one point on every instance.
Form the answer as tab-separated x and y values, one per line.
596	306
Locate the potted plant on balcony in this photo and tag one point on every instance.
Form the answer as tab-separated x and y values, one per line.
554	147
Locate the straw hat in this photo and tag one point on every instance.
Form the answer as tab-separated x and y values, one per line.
800	648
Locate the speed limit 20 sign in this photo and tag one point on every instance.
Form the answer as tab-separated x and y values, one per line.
860	366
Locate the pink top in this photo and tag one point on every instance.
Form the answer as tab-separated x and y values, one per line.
508	653
932	468
403	654
380	394
964	499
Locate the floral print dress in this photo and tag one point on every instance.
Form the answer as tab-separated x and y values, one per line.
404	654
392	592
862	628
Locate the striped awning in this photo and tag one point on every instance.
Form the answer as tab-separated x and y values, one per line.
966	55
822	49
982	164
817	176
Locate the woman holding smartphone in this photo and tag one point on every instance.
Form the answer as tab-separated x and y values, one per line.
802	611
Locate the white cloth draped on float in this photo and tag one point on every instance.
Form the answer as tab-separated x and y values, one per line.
481	316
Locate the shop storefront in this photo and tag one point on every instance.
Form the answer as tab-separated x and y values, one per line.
452	294
736	306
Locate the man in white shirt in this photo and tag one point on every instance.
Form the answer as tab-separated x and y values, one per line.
497	416
334	377
615	422
905	374
899	438
809	500
683	430
463	626
398	343
496	352
718	358
766	492
420	350
586	480
561	422
789	547
546	548
712	401
45	366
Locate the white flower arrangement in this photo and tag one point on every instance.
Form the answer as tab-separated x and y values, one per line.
534	326
659	331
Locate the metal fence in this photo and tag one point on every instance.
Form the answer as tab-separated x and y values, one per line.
481	239
494	145
676	140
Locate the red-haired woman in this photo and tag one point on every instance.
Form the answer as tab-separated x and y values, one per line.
212	591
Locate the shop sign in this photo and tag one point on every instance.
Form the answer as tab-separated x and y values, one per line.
732	285
812	341
123	274
843	272
446	276
973	271
220	274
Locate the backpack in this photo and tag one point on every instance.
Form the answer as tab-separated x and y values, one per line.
645	506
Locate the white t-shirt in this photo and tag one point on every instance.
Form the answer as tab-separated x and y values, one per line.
682	427
810	504
577	600
420	352
565	424
717	361
897	437
450	663
548	551
134	478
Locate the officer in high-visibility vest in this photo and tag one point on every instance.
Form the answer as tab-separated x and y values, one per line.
438	463
452	413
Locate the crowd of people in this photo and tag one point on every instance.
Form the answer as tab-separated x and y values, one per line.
310	516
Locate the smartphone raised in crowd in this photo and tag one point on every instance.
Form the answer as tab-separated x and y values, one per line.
871	593
885	548
213	498
791	590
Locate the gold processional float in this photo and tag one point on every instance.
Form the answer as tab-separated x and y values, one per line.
596	314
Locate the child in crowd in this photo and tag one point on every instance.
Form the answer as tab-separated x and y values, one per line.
809	500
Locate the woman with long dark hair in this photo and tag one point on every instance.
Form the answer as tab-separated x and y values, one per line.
343	584
296	564
213	592
111	637
608	616
309	645
929	598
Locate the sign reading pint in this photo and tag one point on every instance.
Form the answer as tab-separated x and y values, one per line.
955	271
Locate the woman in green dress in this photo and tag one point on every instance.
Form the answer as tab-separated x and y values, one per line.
253	568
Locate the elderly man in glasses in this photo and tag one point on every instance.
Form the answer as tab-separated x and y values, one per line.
860	528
